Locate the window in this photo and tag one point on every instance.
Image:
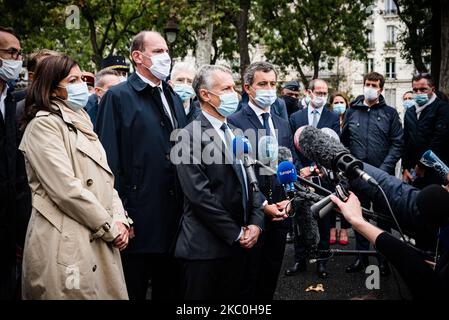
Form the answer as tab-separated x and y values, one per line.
370	36
390	68
390	7
369	65
390	97
391	35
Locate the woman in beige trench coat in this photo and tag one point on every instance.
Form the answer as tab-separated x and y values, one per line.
78	225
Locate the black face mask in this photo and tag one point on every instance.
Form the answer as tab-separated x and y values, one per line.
291	103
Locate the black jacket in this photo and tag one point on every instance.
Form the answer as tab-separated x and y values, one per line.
213	207
15	197
135	132
431	131
373	135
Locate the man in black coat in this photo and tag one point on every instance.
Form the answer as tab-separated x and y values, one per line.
15	198
257	121
426	127
373	133
317	115
222	213
135	121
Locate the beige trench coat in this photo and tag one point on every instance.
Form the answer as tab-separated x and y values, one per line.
68	252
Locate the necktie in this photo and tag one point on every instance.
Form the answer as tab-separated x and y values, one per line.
238	167
315	118
266	122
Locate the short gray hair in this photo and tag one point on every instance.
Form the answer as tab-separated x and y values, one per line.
313	83
202	79
99	76
248	77
182	66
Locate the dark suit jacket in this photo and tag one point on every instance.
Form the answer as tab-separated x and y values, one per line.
247	119
135	133
300	118
92	109
213	208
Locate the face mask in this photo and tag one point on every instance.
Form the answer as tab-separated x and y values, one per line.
161	65
228	104
265	98
77	95
291	103
10	69
184	91
408	104
339	108
370	94
122	79
318	102
307	100
421	99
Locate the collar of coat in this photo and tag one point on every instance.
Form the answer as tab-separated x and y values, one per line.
62	113
139	85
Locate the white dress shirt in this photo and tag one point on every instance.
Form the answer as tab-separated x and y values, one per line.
161	91
310	114
258	111
2	101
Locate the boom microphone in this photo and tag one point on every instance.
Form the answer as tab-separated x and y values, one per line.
325	150
241	148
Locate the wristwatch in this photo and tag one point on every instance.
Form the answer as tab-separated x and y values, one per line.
312	168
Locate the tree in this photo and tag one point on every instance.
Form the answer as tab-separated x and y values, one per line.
304	33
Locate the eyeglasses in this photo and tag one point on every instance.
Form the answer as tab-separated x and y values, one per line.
13	52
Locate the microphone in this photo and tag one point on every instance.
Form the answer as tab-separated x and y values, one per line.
241	148
287	176
327	151
430	159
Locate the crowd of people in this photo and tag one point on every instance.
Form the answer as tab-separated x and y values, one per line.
93	205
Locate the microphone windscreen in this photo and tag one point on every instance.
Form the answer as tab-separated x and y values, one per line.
296	138
331	133
284	154
319	146
433	204
286	173
241	146
268	149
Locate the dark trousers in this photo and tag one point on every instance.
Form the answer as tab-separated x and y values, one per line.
8	282
214	279
264	263
164	272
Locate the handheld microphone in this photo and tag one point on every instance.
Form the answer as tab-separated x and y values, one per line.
241	148
327	151
287	176
430	159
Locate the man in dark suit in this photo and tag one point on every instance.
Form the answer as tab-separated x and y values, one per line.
266	258
15	197
317	115
135	121
222	214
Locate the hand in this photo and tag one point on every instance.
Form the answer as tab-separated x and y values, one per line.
407	177
250	235
351	209
131	232
305	172
420	171
274	212
121	242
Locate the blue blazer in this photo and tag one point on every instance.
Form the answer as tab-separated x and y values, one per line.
135	132
300	118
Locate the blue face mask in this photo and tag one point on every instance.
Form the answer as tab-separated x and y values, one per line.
228	103
77	95
339	108
184	91
421	99
265	98
408	104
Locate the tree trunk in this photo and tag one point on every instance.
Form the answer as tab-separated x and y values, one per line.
444	69
241	24
204	36
436	41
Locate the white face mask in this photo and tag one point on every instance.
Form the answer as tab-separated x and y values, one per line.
161	65
318	102
77	95
10	69
370	94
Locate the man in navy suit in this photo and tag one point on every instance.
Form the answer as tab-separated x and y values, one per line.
135	121
318	116
266	259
